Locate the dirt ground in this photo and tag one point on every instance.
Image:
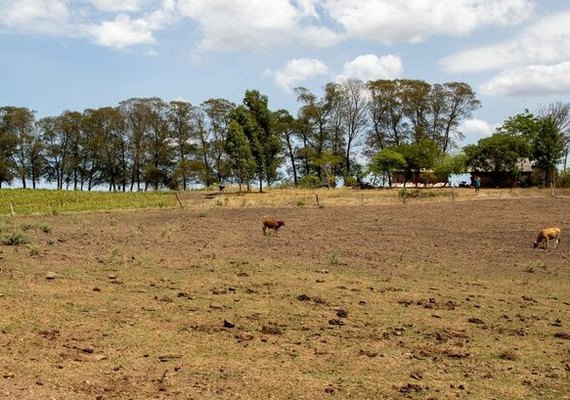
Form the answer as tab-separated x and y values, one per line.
424	300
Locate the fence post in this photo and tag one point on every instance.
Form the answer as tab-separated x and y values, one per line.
317	197
178	198
12	208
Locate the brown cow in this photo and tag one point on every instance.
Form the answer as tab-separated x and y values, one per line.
547	234
271	224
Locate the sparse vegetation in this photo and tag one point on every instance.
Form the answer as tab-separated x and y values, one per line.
341	303
15	239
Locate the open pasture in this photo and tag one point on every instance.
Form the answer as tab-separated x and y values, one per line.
423	300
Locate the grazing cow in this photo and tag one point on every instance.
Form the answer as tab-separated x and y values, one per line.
271	224
547	234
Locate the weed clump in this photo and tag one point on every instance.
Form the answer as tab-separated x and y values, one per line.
15	239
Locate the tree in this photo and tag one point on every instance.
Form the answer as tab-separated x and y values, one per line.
19	124
317	124
353	107
387	113
217	118
459	101
500	154
106	148
8	145
37	161
241	160
181	116
327	162
524	125
419	156
448	165
560	113
267	139
158	145
547	148
285	127
387	161
545	140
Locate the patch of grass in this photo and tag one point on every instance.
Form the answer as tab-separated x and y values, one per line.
301	202
34	250
335	259
28	227
5	226
168	230
45	228
15	239
222	201
44	201
534	266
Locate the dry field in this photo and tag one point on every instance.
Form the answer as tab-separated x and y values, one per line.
423	300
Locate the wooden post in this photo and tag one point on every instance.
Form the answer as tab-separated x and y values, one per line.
361	199
12	208
317	197
453	193
178	198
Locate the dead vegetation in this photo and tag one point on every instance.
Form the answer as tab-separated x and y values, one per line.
192	305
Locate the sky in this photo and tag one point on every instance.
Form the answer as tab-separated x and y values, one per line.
58	55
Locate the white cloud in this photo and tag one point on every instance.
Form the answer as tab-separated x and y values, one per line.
545	42
118	6
415	20
297	71
125	32
371	67
255	24
122	32
534	80
537	62
35	16
474	130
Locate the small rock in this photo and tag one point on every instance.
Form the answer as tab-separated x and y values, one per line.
476	321
342	314
168	357
562	335
244	336
303	297
216	306
228	324
416	375
51	275
508	355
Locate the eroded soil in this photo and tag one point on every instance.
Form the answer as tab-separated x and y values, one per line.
422	300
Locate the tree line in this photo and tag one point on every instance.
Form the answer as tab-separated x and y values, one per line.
148	143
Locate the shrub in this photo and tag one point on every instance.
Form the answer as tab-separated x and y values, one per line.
350	181
309	181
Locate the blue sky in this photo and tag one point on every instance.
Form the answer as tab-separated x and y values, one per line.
59	55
